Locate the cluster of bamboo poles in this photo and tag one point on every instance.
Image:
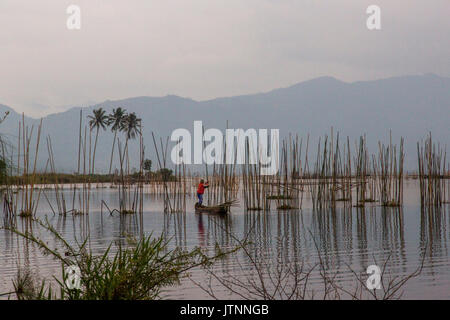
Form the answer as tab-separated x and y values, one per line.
338	174
23	199
23	203
333	178
225	180
433	173
389	173
174	192
175	188
367	178
223	183
283	187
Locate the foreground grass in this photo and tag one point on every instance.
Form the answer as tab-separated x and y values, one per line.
137	272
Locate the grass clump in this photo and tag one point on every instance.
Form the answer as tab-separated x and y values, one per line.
392	204
125	211
26	287
343	199
136	272
286	207
25	213
279	197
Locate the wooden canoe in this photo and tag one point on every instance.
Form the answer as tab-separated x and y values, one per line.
219	209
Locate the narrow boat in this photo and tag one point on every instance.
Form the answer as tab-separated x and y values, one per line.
219	209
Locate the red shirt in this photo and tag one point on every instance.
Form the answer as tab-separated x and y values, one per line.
201	188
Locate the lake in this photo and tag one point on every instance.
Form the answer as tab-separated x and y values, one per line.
344	239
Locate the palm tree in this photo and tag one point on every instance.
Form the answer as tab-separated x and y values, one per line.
131	125
98	120
116	120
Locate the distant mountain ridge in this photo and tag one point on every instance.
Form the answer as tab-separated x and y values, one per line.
410	105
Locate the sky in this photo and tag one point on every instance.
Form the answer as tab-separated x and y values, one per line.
204	49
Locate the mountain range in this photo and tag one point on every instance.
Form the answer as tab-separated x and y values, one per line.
408	106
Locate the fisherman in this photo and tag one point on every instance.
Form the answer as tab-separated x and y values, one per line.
201	190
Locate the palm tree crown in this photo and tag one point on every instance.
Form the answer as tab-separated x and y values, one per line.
99	119
131	125
116	119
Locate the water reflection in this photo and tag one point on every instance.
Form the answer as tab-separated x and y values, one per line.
201	231
341	236
434	229
434	238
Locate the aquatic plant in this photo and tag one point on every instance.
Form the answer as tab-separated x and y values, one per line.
138	271
432	180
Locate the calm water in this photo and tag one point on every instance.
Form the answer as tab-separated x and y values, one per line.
345	237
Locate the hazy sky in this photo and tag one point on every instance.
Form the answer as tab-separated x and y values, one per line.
207	48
